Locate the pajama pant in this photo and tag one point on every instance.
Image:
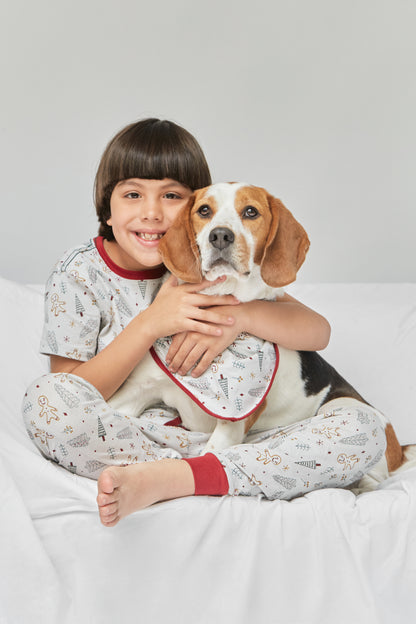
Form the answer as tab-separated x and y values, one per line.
71	424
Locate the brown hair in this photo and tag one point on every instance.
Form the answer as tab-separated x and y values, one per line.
151	149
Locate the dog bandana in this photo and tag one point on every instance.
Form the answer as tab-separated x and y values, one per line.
237	381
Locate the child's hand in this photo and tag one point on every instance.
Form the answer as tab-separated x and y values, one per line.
182	308
190	348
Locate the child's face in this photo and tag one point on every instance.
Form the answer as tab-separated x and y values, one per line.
141	212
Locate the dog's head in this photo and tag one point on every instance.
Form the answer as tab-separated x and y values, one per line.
229	229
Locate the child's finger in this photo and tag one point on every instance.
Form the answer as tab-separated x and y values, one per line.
205	301
185	359
176	344
204	284
209	315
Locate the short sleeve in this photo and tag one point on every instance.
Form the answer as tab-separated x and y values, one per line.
72	318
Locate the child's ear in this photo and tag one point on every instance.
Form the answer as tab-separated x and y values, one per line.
178	248
286	246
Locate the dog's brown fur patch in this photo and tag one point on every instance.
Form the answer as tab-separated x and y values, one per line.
394	451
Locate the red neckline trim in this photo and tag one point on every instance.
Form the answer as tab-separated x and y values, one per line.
126	273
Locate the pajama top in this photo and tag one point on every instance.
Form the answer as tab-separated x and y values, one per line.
89	300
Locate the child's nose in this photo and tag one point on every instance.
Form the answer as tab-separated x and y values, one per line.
152	209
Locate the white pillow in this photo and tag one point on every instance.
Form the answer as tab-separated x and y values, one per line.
21	319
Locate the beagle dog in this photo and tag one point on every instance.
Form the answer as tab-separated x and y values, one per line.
241	232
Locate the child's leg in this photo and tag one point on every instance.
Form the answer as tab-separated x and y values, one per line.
334	449
70	423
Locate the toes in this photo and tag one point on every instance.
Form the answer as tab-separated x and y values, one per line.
108	481
106	499
109	514
110	523
109	510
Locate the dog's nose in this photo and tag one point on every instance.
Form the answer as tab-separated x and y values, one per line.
221	237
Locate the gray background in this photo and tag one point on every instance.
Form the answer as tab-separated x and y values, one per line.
313	99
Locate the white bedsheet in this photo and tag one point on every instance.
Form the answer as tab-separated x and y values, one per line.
329	557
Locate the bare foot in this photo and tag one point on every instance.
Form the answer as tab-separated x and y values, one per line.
123	490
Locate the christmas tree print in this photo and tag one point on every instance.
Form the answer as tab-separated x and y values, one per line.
63	450
308	464
51	338
143	288
278	440
260	355
88	328
92	274
257	392
27	407
287	483
238	364
111	452
360	439
363	418
123	307
235	352
79	308
376	459
79	441
223	381
125	434
101	431
234	457
93	464
203	384
71	400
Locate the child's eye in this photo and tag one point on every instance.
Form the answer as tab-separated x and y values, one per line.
132	195
172	196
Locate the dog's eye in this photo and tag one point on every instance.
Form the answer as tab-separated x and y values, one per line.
204	211
250	212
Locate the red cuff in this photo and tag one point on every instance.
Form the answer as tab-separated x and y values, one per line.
209	475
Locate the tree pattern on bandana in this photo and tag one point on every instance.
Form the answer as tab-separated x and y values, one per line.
219	390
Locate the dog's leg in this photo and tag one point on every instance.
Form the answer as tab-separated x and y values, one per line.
226	434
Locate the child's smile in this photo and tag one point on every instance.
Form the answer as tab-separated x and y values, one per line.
141	212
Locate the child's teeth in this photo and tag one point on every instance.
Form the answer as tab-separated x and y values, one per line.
150	236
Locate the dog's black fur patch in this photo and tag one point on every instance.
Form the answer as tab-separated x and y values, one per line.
317	374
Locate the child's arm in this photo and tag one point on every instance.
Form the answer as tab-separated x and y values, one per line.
286	322
175	309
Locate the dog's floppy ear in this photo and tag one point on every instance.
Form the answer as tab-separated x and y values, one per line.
178	247
286	246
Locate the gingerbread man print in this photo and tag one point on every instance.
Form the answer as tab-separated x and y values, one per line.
348	461
57	306
49	411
